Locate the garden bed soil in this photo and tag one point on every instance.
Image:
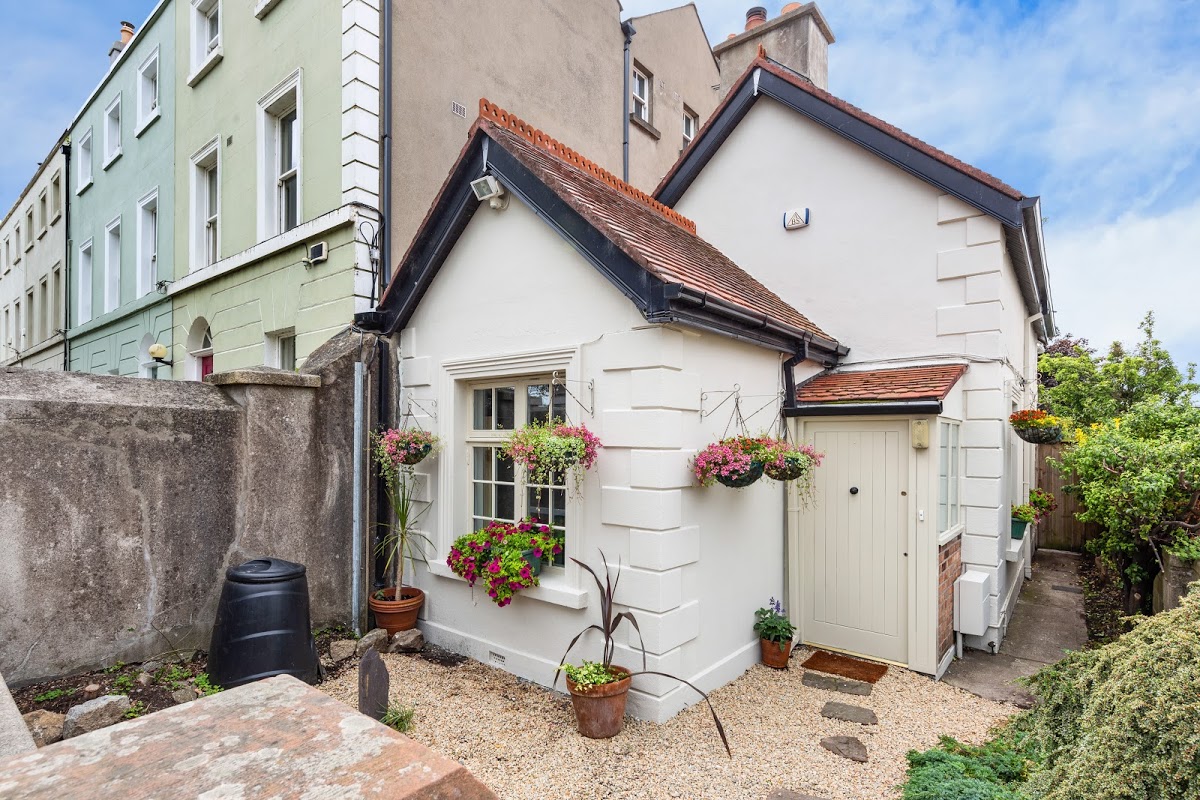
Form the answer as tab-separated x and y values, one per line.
1103	602
117	679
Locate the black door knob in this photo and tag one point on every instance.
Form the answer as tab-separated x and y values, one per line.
853	490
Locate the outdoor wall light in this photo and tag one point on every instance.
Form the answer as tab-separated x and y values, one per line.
158	352
488	188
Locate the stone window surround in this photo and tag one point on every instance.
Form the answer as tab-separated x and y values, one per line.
560	587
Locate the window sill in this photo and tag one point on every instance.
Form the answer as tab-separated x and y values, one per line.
42	232
146	123
83	188
264	7
950	535
646	127
211	61
57	216
554	588
111	159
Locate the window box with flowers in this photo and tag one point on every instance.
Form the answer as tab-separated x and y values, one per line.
1036	426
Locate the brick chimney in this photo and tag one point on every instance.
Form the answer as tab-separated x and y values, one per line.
798	38
118	46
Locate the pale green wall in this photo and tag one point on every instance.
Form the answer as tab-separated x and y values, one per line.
109	342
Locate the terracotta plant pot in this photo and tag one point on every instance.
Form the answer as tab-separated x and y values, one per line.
600	711
775	654
397	615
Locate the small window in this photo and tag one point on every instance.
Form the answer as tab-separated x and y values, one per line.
281	350
206	206
112	265
499	491
56	196
84	167
112	131
44	310
949	509
83	304
691	123
148	91
147	243
30	230
206	36
17	236
641	94
43	212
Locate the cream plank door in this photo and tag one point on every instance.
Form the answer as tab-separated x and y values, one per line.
853	540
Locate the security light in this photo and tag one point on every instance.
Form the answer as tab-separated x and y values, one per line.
488	188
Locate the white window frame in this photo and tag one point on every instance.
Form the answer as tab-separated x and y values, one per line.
690	119
86	273
275	347
83	166
112	271
112	141
645	100
263	7
147	242
18	328
56	204
206	158
43	205
272	106
17	238
206	51
949	440
149	93
30	229
560	585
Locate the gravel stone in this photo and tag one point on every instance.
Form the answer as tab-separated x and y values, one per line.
342	649
832	683
491	721
848	713
144	679
45	727
374	639
94	715
846	747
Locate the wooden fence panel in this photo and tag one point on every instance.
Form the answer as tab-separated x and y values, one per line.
1061	530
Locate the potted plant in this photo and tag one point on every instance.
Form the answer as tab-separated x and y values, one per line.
546	449
600	689
1022	515
1042	503
396	606
775	632
508	557
736	462
1036	426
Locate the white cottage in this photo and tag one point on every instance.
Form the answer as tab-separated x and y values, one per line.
934	274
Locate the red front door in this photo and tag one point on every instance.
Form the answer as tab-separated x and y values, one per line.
206	365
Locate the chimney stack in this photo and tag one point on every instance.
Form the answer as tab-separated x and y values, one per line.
118	47
798	38
756	16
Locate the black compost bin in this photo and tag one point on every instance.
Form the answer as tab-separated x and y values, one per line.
262	626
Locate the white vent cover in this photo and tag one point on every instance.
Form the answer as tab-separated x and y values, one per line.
458	109
796	218
971	592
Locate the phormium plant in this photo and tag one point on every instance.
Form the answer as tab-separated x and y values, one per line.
610	620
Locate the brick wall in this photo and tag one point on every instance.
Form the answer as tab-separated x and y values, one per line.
949	568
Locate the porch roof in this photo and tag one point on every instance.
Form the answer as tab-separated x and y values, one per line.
896	385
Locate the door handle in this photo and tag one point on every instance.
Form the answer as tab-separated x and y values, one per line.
853	490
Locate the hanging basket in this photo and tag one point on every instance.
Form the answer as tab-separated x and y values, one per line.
791	470
418	456
1047	435
752	474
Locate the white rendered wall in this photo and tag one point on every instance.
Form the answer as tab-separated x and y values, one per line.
895	270
698	561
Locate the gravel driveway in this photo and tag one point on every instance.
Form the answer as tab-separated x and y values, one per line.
520	739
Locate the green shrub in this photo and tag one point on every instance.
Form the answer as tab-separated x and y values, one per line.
399	718
957	771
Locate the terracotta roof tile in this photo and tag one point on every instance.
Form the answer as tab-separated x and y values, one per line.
881	385
658	239
765	63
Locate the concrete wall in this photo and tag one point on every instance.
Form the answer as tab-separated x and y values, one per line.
895	270
147	163
122	501
32	275
671	45
698	562
798	39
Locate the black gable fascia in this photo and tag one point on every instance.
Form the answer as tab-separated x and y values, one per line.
908	158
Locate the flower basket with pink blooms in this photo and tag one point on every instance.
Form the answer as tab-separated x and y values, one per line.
507	557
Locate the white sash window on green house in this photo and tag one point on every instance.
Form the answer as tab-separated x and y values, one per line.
279	158
112	265
949	509
147	243
205	38
112	132
499	489
205	228
147	91
83	302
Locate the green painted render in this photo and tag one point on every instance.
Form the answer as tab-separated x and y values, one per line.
109	342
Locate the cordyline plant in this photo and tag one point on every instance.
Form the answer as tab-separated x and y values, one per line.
393	452
610	621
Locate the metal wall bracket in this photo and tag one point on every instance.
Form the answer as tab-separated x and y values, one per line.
733	393
430	412
589	385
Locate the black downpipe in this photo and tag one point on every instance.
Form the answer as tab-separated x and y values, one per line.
383	421
66	149
627	29
789	377
385	144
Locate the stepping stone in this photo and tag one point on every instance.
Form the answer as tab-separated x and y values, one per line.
848	713
832	683
846	747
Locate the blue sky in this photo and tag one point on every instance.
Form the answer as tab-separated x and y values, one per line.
1092	104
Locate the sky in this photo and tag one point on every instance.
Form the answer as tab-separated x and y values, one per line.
1094	105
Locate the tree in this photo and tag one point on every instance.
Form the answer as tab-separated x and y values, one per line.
1085	388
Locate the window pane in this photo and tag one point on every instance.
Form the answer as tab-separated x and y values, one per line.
538	505
482	457
483	500
482	410
558	516
505	468
538	397
289	203
558	402
287	143
211	198
505	408
505	502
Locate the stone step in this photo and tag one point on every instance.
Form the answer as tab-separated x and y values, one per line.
833	683
846	747
848	713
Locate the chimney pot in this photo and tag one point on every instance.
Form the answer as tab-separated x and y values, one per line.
756	16
790	7
127	30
